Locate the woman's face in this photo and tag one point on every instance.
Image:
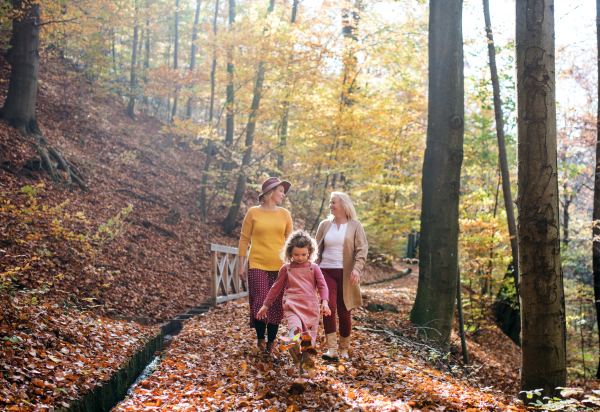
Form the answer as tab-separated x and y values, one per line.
336	208
278	194
300	254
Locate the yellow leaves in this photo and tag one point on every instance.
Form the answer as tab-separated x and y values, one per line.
54	359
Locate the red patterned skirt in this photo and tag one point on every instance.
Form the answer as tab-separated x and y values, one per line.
259	283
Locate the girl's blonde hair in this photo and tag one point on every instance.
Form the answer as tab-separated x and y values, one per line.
346	203
299	239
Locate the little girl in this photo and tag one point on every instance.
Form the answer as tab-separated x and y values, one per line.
300	302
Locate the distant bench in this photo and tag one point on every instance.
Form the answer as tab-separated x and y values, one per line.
225	282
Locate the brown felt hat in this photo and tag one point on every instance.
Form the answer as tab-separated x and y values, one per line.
272	183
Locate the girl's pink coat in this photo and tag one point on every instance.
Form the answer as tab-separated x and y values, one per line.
300	301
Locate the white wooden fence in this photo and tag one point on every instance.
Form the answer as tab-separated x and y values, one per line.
225	278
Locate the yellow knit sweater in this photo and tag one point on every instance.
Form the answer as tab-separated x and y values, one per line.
268	231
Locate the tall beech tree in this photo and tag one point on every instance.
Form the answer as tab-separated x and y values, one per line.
286	102
209	146
230	219
596	212
19	106
132	81
146	62
229	104
502	158
19	109
350	19
193	55
176	58
436	293
541	279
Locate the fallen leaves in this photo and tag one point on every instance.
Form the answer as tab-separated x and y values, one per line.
380	375
52	355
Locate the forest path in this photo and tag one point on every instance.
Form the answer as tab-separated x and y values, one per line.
210	365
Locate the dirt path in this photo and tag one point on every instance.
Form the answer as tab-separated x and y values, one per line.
211	366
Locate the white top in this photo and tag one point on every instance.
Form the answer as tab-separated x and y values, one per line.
333	254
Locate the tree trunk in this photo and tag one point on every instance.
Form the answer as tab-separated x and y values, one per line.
502	158
541	280
130	106
203	205
114	58
229	106
230	220
286	104
318	219
596	212
566	218
175	58
438	254
193	56
213	70
147	63
19	107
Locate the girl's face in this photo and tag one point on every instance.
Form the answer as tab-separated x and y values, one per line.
336	208
278	195
300	254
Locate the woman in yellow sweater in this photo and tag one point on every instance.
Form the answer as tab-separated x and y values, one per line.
268	226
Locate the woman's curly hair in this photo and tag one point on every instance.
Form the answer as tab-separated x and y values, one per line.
299	239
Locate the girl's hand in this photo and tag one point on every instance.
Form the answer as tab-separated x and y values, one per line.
325	308
242	268
262	313
354	277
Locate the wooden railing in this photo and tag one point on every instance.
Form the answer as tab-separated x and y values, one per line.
224	277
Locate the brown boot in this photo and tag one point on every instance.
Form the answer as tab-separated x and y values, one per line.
261	344
271	349
332	346
344	346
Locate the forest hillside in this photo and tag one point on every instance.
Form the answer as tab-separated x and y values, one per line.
136	134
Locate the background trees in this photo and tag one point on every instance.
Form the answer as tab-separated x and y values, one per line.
438	264
19	106
342	88
541	282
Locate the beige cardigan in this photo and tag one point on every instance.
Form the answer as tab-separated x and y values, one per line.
355	256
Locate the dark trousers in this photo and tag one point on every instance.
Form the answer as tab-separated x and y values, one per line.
335	283
260	327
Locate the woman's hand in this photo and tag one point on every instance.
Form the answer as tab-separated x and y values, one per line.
325	308
354	277
262	313
242	268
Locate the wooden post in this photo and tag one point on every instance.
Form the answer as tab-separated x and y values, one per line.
236	275
213	278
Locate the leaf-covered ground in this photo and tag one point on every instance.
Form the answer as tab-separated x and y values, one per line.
51	354
149	260
212	365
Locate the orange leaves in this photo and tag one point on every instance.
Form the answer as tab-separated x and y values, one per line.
71	353
380	375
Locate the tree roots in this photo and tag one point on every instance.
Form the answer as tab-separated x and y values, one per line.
48	154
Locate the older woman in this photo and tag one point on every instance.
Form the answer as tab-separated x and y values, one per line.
268	226
342	256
